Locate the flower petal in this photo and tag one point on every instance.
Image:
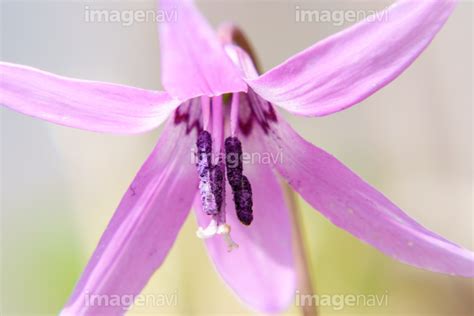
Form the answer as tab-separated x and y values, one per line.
353	205
93	106
261	271
192	59
142	229
348	67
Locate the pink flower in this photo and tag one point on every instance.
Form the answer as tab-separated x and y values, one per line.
198	69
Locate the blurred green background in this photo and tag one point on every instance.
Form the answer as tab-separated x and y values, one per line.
60	186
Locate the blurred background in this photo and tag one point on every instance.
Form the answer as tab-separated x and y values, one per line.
60	186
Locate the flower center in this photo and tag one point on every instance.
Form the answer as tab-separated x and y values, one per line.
214	162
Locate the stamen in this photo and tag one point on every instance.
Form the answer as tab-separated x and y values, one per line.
233	149
239	183
204	167
234	113
218	184
243	202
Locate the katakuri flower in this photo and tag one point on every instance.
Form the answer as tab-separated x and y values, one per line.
220	107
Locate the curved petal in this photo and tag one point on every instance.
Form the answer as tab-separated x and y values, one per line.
261	271
193	61
88	105
353	205
142	229
348	67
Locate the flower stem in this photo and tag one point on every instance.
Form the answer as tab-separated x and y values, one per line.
304	284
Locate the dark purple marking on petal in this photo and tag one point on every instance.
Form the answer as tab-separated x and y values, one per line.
258	110
182	116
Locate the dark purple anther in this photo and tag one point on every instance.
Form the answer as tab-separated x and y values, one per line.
243	201
218	183
233	153
239	183
204	167
204	149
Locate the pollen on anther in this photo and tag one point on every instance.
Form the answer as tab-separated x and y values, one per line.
241	188
204	167
233	149
243	202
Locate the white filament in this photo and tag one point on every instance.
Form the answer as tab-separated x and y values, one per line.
214	229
